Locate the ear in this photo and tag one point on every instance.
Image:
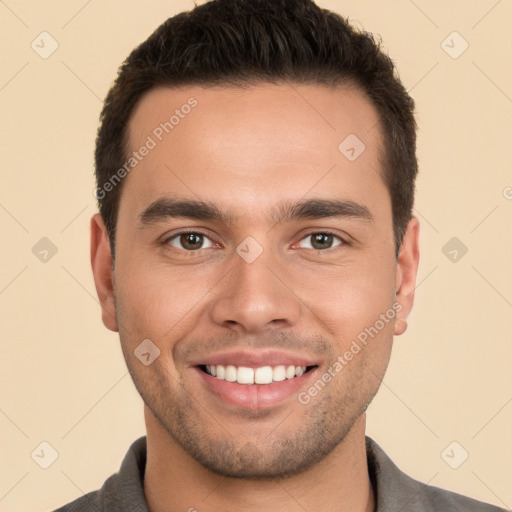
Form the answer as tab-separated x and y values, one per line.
101	262
406	271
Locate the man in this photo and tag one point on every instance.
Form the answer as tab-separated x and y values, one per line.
256	251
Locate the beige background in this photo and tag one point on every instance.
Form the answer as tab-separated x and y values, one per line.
63	379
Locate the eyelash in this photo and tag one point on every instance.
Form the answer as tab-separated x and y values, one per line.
330	249
166	244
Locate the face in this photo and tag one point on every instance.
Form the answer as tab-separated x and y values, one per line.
251	247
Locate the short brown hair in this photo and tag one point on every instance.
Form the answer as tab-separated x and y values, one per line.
241	42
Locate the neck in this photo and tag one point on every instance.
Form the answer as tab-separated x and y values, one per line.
174	481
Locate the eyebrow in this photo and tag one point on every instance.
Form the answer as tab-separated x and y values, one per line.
319	209
167	208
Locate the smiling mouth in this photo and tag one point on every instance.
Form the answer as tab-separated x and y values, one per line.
261	375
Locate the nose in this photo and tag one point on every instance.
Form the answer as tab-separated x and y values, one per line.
255	297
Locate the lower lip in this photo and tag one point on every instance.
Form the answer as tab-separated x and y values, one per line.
255	396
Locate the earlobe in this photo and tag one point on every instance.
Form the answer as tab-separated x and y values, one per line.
406	272
400	326
101	262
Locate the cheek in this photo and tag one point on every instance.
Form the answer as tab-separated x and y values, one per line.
155	302
350	297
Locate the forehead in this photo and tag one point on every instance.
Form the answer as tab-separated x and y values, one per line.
254	145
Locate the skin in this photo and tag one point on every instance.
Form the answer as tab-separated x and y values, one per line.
247	150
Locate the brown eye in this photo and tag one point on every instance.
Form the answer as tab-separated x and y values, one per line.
189	241
321	241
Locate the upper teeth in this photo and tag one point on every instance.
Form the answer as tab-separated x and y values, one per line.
261	375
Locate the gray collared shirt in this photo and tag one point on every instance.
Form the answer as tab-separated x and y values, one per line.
394	490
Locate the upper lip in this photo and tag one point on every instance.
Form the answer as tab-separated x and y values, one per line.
255	359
